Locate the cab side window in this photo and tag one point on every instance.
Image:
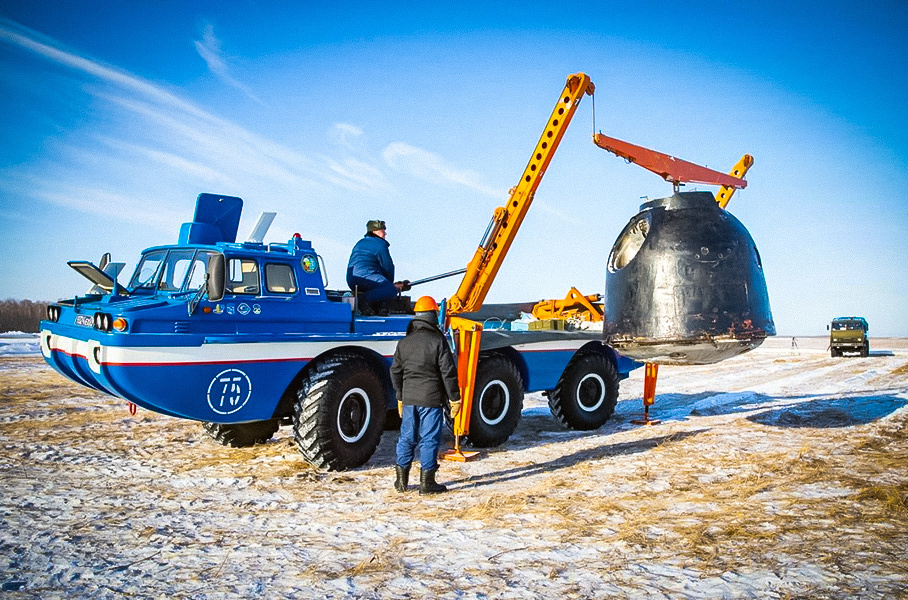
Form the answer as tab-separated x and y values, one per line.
242	276
279	278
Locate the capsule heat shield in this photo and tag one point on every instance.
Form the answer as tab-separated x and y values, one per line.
685	285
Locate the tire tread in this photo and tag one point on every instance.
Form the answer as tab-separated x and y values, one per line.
560	397
312	421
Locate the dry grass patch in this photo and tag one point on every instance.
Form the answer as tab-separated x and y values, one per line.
894	498
388	557
901	370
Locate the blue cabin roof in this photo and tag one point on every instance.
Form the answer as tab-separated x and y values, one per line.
217	219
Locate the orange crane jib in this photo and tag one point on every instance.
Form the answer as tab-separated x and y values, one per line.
666	166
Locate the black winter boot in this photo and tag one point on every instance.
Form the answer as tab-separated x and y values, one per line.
403	477
427	483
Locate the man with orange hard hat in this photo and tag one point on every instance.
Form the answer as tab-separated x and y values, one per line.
425	380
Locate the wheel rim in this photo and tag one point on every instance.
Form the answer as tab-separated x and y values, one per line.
353	415
590	392
494	402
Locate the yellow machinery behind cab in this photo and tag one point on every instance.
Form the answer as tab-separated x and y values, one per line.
573	306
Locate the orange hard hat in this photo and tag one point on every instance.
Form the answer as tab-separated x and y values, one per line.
426	303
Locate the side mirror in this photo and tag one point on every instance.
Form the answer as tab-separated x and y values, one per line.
216	280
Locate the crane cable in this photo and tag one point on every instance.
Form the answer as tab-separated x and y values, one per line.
593	96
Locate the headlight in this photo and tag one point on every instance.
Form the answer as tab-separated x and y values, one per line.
53	313
103	321
120	324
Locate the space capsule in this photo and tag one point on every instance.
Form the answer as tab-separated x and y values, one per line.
685	284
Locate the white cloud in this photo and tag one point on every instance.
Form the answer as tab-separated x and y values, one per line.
195	141
559	214
29	40
103	203
359	171
229	147
346	133
209	48
149	146
431	167
349	137
192	168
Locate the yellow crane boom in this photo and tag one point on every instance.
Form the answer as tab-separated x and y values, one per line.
506	220
493	248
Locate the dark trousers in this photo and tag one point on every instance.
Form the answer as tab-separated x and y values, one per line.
372	291
420	427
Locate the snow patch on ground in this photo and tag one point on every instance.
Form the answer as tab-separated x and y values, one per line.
777	474
18	343
720	402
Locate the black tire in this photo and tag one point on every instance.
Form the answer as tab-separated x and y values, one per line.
242	435
865	349
586	393
497	402
339	414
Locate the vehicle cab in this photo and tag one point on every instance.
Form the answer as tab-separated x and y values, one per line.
849	334
192	308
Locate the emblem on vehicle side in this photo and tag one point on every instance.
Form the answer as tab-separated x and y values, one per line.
243	309
229	391
309	263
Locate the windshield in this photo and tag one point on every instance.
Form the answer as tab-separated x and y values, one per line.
175	270
847	325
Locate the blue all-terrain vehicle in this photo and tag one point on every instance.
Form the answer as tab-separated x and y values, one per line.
244	337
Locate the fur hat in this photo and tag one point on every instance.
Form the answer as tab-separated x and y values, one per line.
375	225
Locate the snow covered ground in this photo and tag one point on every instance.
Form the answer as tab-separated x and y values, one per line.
782	473
16	342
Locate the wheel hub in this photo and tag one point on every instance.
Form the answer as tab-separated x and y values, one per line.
353	415
590	392
494	402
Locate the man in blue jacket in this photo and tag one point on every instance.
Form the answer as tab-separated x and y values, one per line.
370	269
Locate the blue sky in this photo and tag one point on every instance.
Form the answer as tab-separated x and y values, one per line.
116	115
